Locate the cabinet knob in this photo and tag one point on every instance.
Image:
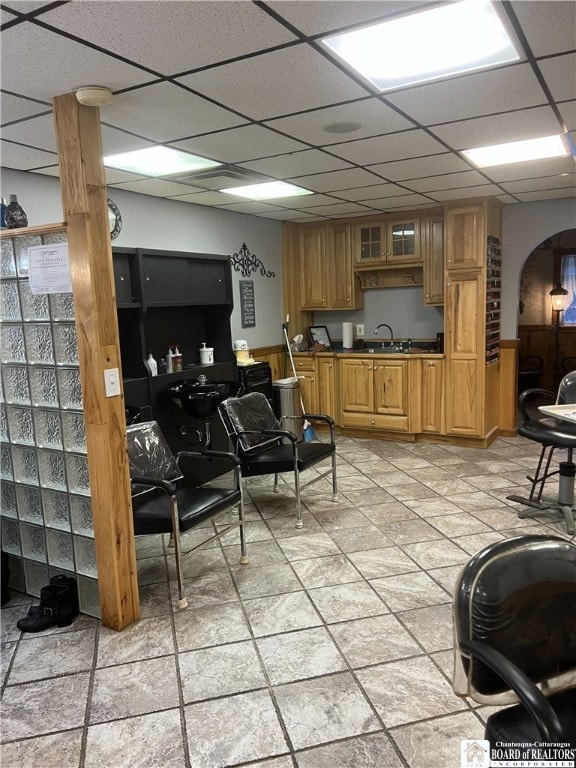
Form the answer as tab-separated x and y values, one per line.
373	421
147	278
121	278
347	301
431	364
449	261
329	365
448	285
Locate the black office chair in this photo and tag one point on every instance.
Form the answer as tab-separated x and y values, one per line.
530	370
515	638
160	506
264	448
551	433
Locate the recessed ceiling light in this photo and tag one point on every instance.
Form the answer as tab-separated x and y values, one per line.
440	42
517	151
341	127
268	190
158	161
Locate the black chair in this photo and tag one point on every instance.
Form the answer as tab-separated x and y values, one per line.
515	638
264	448
551	433
568	364
160	506
530	370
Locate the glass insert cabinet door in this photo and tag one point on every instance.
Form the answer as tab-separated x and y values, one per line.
392	241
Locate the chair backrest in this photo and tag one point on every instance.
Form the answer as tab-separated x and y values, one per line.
149	454
517	596
567	389
249	413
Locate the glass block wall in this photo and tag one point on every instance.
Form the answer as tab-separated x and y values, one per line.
46	511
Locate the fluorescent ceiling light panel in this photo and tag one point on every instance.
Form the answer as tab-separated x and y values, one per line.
158	161
441	42
517	151
268	190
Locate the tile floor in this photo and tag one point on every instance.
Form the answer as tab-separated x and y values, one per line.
331	649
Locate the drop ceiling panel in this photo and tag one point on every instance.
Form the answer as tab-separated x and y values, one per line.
240	144
165	112
26	6
568	112
157	187
393	147
485	190
532	170
288	166
339	209
37	132
14	108
421	167
499	129
447	181
551	194
301	78
404	201
306	201
336	180
54	65
251	207
373	116
165	31
538	18
560	74
483	93
371	193
567	181
24	158
206	198
286	215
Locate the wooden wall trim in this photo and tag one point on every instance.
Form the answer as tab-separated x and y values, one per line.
84	202
508	397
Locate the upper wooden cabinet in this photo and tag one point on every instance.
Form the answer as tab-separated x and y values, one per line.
433	230
465	237
327	278
387	242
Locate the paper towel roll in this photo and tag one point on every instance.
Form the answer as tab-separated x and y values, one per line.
347	335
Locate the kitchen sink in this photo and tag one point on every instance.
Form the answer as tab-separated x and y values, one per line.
377	350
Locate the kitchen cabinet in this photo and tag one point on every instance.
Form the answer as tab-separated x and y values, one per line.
327	401
432	403
180	278
389	241
433	227
465	237
374	393
326	269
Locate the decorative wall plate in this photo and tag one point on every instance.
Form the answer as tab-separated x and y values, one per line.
114	219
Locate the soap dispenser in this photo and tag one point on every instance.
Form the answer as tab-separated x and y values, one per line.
169	360
177	359
151	364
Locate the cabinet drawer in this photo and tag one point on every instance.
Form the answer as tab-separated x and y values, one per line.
375	421
304	363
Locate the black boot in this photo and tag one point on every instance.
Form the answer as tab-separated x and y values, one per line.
58	606
62	581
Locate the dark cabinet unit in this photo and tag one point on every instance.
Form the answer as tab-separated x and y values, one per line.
165	299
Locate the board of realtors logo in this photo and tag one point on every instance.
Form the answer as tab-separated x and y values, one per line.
478	754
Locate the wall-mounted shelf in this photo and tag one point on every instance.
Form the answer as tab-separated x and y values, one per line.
390	277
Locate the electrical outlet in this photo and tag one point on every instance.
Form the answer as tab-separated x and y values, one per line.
360	329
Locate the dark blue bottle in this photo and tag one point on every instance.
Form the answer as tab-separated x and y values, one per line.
14	215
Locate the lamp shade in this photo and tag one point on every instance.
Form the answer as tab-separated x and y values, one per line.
558	297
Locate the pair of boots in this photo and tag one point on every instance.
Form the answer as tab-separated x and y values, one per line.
58	606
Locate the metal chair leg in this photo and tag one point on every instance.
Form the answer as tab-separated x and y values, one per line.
276	482
182	601
334	481
243	554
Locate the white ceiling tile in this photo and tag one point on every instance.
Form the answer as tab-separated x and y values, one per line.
165	112
237	145
115	141
387	148
339	209
255	207
418	167
499	129
54	65
533	170
24	158
296	164
485	190
115	176
371	193
549	194
538	18
288	215
50	170
483	93
405	201
157	187
205	198
172	36
335	180
373	116
302	78
568	112
447	181
320	17
14	108
36	132
546	182
26	6
307	201
506	199
560	75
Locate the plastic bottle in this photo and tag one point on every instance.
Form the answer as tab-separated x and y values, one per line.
169	360
151	364
3	205
14	215
177	359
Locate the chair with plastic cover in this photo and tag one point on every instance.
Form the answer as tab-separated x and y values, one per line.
552	433
160	505
515	639
264	448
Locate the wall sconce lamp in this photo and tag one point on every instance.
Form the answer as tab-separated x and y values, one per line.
558	299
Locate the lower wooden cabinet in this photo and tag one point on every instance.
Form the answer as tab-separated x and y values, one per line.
432	396
374	393
327	401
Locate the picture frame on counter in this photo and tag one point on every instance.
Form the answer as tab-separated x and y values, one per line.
319	335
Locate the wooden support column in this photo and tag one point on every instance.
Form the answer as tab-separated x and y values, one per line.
84	202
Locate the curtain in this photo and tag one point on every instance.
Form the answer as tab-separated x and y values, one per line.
568	279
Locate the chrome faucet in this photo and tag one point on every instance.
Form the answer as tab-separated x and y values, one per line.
384	325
